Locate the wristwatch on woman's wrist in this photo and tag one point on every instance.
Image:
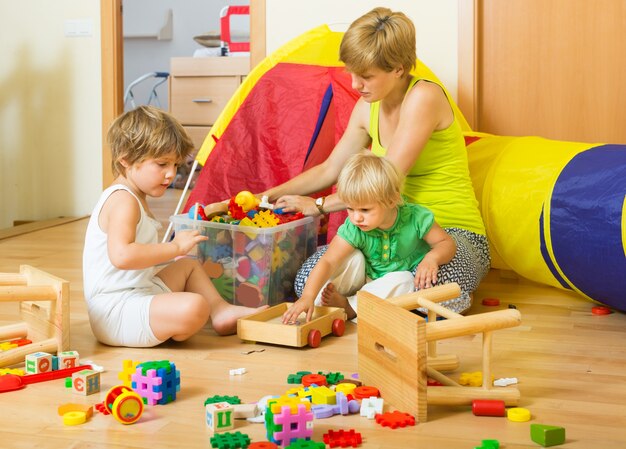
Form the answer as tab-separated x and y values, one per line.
320	204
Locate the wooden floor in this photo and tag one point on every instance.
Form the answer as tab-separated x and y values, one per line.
570	365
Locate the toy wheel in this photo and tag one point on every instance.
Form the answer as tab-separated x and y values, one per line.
127	407
314	338
339	327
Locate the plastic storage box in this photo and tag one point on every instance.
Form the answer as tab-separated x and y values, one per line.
253	266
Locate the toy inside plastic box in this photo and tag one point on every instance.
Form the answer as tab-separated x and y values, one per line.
253	266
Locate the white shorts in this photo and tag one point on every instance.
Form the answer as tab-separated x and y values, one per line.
123	318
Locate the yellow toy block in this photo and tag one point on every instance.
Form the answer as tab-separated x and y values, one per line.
294	391
474	379
266	219
128	369
257	253
323	395
276	404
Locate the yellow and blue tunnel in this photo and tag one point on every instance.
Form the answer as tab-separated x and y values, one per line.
554	211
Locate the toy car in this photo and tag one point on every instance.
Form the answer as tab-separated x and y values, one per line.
266	326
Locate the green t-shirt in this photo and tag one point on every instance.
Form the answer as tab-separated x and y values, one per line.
399	248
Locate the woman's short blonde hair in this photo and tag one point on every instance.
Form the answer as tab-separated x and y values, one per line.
367	178
146	132
382	39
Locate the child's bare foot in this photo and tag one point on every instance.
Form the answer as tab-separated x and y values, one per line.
332	298
224	319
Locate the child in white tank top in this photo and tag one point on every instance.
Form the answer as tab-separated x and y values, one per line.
130	302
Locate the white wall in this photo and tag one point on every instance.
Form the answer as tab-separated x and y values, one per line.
50	110
436	24
190	18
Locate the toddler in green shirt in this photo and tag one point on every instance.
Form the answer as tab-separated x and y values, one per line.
386	246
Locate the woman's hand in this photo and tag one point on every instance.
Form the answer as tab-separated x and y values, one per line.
426	273
301	305
297	203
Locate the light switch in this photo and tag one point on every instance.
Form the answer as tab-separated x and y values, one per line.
79	27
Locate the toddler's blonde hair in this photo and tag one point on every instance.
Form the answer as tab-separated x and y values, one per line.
381	38
367	178
146	132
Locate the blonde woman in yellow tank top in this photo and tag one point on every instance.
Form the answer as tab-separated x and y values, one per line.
410	121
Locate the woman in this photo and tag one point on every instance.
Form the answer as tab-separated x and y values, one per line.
410	121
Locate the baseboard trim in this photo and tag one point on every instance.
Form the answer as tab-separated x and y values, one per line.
35	226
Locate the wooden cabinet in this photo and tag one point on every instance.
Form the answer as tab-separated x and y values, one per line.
200	88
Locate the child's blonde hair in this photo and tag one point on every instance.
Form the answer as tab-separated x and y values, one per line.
367	178
381	38
146	132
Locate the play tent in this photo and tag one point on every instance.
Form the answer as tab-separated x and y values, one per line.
554	211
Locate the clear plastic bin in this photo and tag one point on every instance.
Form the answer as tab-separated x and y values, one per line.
253	266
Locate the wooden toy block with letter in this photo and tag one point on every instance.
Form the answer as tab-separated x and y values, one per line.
266	326
398	352
44	313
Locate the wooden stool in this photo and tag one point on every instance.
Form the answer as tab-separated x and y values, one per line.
44	313
397	349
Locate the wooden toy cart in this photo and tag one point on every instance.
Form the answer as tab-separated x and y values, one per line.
266	326
397	349
44	312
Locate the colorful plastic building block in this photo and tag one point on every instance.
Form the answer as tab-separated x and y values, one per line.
505	381
332	378
370	407
217	398
157	382
395	419
323	395
306	444
86	382
297	377
344	406
220	416
128	369
489	444
343	438
229	440
474	379
547	435
292	425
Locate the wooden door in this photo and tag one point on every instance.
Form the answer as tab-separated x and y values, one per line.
553	68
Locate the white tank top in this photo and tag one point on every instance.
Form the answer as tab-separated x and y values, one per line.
99	275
